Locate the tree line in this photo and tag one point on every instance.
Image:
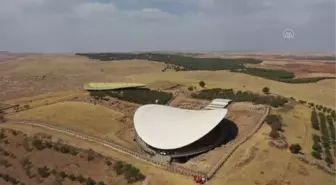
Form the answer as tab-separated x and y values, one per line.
189	63
239	96
321	144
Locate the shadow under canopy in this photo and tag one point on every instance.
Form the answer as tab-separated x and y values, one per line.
223	133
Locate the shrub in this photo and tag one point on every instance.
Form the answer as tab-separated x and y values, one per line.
26	106
314	120
90	181
316	138
190	88
133	175
202	84
101	183
317	147
118	167
43	172
266	90
62	174
90	157
38	144
328	157
72	177
80	178
316	154
295	148
108	163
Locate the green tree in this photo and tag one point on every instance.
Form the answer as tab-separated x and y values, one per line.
295	148
202	84
266	90
317	147
316	138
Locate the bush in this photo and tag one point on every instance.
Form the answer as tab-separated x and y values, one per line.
38	144
72	177
90	181
266	90
190	88
314	120
90	157
316	154
202	84
62	174
43	172
295	148
101	183
108	163
328	157
80	179
317	147
131	173
316	138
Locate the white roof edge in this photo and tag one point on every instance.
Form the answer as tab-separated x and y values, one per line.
165	127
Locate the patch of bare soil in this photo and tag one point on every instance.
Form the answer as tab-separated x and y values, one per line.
41	160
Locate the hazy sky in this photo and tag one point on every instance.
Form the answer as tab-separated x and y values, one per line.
193	25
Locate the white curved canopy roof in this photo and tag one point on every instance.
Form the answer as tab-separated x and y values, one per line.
165	127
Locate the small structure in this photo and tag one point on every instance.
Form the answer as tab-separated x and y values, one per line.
218	104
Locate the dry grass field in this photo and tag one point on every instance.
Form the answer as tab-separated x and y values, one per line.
17	154
93	119
255	162
34	75
157	176
36	80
